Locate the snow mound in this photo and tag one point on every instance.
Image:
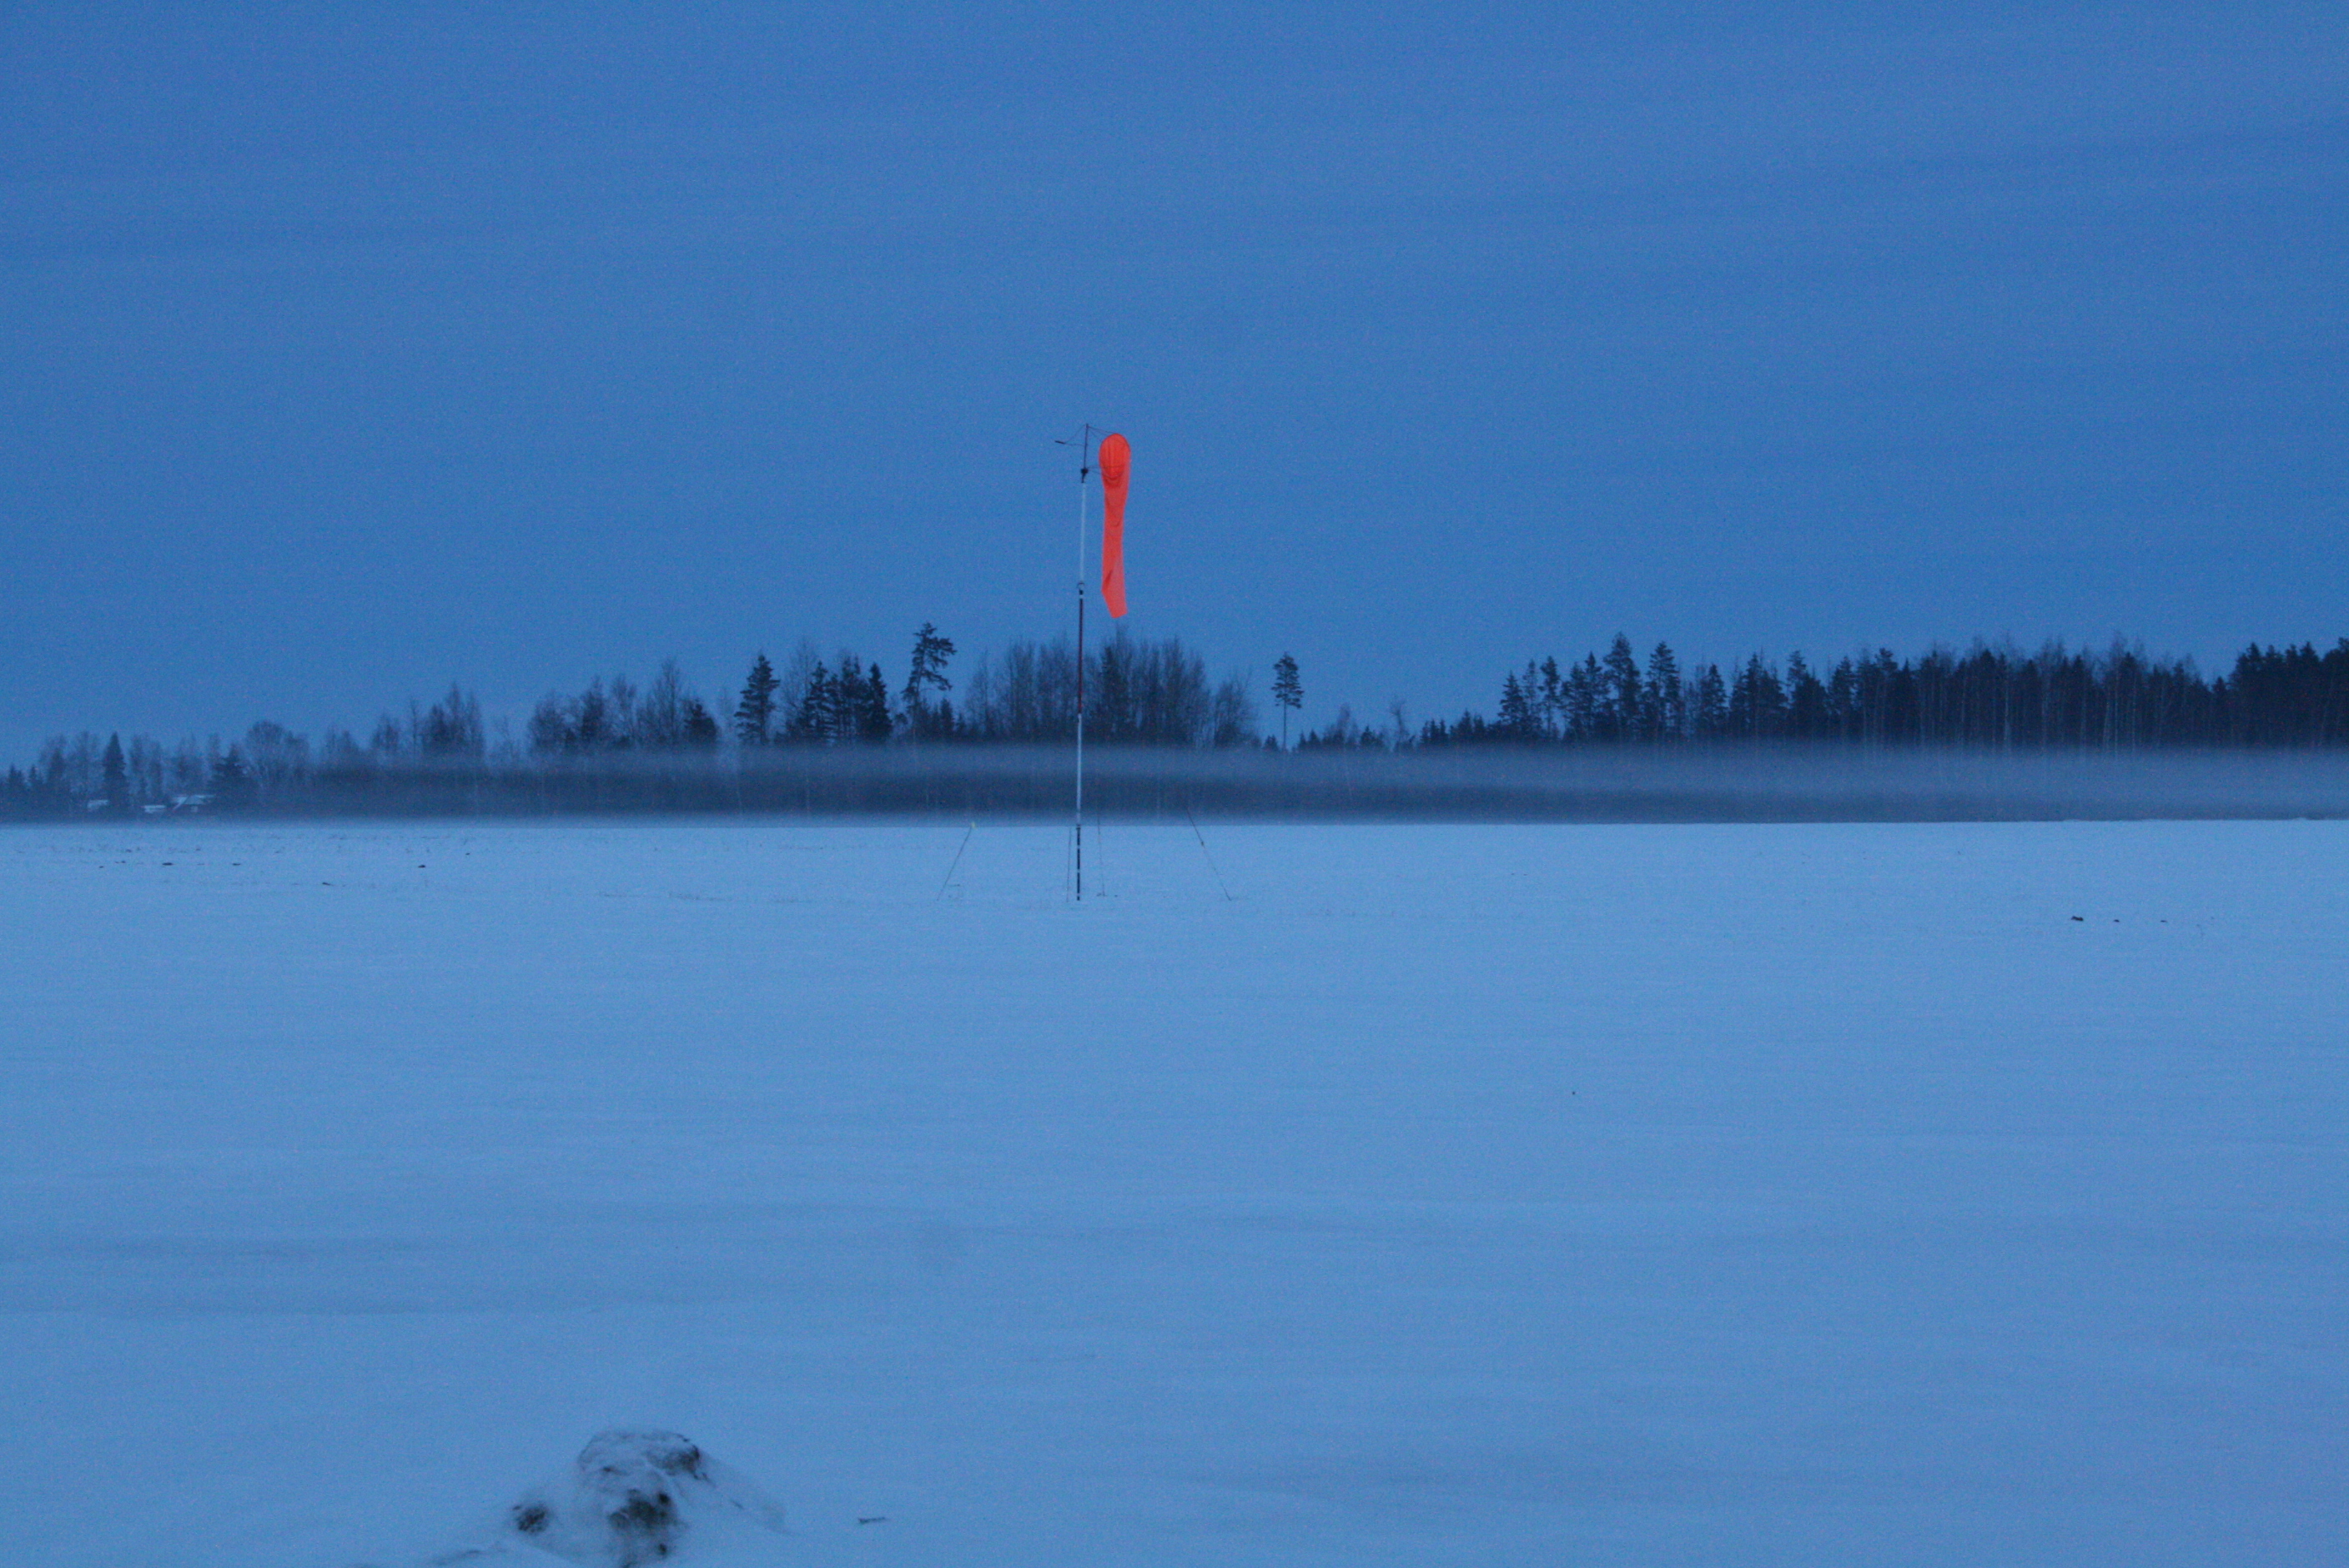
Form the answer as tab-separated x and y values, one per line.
631	1499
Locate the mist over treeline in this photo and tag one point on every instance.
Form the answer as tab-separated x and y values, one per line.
832	732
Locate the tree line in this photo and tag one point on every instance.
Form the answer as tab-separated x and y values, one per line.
1140	693
1137	692
1987	697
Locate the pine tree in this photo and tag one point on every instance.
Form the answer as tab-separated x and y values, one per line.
1663	709
1843	701
700	726
926	672
115	777
451	728
1583	687
231	780
1807	700
840	708
1622	690
754	715
1287	692
1709	713
1552	701
1757	703
1516	712
813	724
869	717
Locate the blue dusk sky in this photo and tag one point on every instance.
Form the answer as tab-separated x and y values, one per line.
349	351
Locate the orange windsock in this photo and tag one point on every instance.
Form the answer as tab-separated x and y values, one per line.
1115	455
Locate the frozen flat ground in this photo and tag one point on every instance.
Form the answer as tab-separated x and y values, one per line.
1750	1194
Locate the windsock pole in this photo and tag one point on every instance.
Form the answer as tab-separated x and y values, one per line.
1115	455
1084	469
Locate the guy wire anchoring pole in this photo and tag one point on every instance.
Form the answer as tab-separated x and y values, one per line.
956	860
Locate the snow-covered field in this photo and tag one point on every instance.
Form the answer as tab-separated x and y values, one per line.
1867	1194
